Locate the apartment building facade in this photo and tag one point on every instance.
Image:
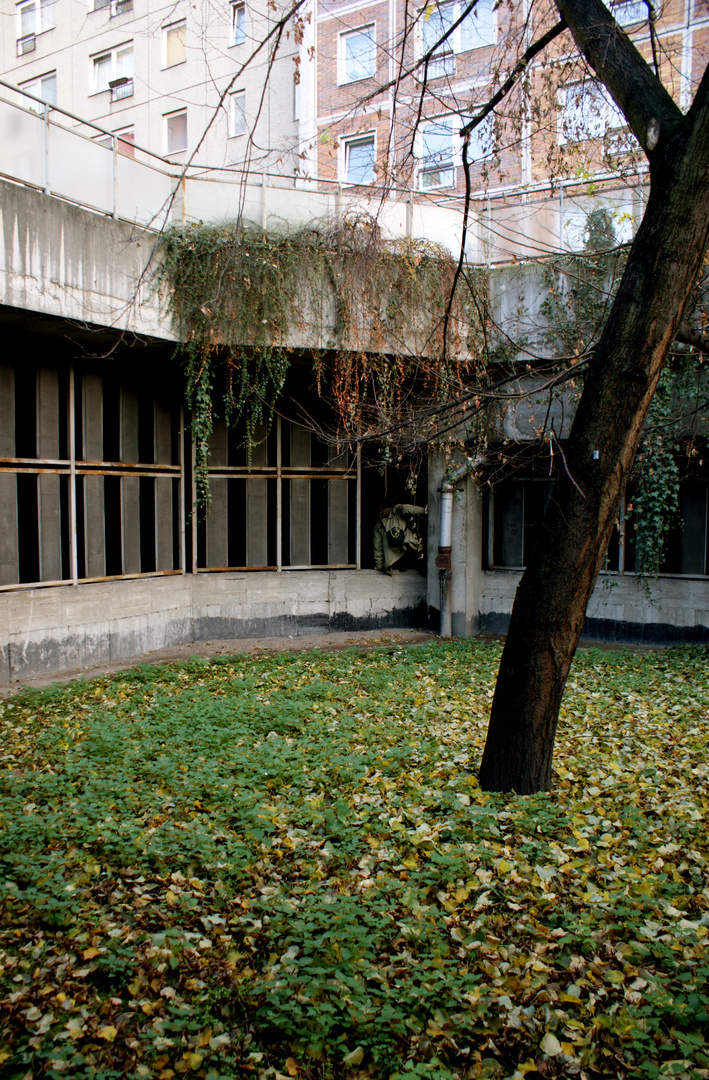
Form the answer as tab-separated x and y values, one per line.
364	93
395	85
171	78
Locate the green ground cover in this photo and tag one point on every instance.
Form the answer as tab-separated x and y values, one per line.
284	866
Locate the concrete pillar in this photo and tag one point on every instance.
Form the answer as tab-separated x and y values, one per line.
466	554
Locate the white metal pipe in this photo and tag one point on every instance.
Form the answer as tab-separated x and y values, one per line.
446	523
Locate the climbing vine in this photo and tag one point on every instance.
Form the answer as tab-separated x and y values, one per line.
247	304
580	289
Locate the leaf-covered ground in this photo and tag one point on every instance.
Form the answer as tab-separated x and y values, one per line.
284	866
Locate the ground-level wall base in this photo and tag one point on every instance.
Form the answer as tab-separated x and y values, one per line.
671	611
57	629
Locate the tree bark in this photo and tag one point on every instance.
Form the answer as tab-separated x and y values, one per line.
550	605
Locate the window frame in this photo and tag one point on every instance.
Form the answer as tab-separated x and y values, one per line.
36	107
166	118
44	17
166	31
234	108
342	77
443	62
346	146
126	46
449	165
456	158
607	113
626	12
237	31
124	136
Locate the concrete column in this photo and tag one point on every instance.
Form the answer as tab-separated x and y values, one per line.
466	554
9	564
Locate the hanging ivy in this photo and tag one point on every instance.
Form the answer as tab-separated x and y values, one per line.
244	301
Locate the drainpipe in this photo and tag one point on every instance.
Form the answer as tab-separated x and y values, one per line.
445	540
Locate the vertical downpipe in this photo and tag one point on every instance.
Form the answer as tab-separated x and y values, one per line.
443	560
358	523
183	515
73	539
279	493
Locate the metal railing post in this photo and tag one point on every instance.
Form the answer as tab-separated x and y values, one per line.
46	150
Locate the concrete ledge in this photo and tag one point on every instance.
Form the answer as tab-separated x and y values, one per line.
53	630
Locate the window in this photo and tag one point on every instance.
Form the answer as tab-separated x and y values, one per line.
174	44
477	30
176	132
516	510
359	160
357	57
118	7
588	113
686	549
437	168
45	87
515	520
114	71
124	138
627	12
36	16
238	24
237	114
439	149
437	22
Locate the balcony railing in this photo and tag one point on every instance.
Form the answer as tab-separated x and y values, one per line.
62	154
121	88
26	44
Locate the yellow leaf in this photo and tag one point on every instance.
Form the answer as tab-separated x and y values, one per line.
291	1066
503	867
88	954
108	1033
192	1061
355	1058
171	897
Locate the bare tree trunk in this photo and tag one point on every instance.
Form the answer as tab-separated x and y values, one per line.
550	605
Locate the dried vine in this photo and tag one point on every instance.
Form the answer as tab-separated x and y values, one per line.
246	301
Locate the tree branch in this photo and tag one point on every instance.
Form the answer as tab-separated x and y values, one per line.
536	47
688	335
524	60
647	106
